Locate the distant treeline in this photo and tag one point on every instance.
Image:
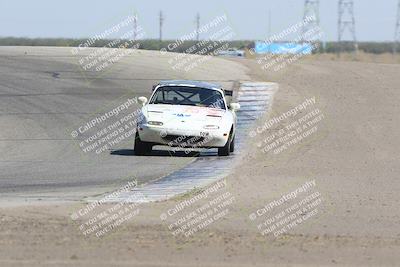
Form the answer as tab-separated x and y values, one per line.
177	46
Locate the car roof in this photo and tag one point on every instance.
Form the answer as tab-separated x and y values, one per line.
191	83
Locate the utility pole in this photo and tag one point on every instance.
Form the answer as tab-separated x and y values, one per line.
198	27
397	31
346	21
310	19
161	24
269	23
135	28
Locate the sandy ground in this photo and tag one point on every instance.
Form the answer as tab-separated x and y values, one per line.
352	157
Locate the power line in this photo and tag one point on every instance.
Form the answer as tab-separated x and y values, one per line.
346	21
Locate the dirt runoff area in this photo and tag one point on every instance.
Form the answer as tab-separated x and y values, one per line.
317	186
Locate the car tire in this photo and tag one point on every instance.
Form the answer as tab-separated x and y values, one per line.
232	148
225	150
141	148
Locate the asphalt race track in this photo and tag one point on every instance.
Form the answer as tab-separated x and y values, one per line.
44	94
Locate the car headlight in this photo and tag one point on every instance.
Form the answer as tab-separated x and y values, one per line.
211	127
157	123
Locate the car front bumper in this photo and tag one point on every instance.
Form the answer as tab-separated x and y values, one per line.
183	138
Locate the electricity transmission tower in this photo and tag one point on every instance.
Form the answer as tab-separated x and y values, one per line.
197	27
310	19
346	21
161	17
397	32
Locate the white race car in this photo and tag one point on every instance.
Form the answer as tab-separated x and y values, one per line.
187	114
233	52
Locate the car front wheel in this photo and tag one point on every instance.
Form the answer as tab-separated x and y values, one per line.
227	149
232	145
141	148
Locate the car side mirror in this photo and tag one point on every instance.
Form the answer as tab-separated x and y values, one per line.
143	100
234	106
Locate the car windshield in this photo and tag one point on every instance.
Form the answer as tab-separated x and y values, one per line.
181	95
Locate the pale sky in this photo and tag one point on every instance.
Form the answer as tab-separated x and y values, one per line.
375	19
